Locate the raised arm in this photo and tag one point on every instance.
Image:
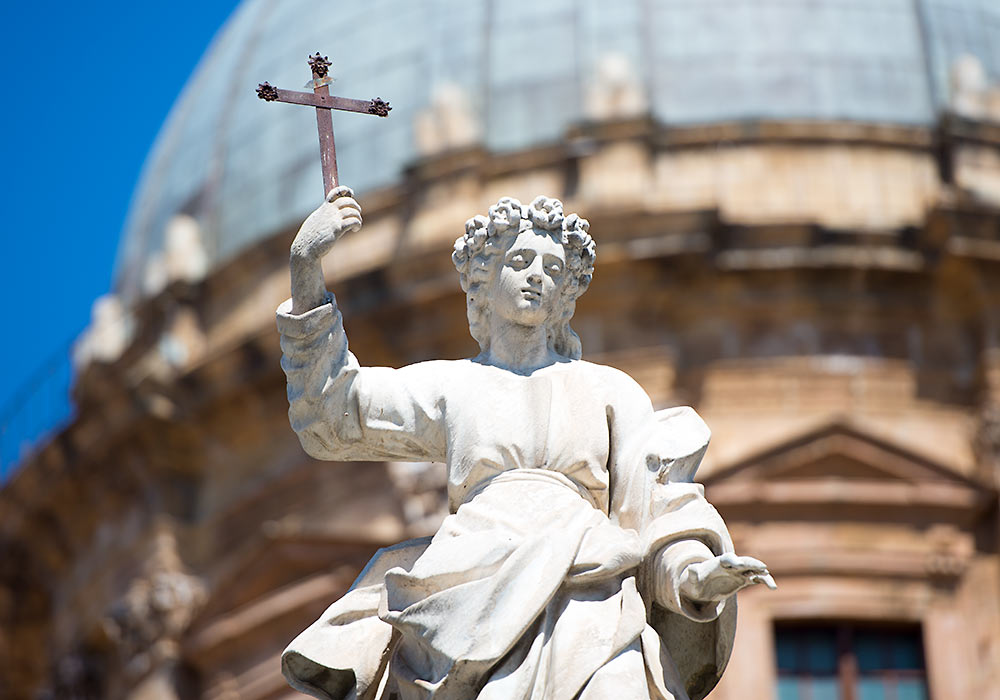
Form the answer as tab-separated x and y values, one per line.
339	214
340	410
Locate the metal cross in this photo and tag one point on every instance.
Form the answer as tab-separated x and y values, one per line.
324	102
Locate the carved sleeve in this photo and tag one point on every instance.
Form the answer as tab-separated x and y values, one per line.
653	458
342	411
666	572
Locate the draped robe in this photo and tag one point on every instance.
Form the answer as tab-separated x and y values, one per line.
557	573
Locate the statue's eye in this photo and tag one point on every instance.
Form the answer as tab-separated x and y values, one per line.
518	261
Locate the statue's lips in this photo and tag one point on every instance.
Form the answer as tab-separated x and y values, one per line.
531	294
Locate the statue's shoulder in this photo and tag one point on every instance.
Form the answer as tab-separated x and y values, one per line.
615	379
438	369
439	365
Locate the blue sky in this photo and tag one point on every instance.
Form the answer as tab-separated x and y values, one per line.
86	87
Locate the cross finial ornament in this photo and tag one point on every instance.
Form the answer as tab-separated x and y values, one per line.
320	65
324	102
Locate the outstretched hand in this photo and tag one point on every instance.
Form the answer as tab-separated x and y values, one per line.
720	577
337	215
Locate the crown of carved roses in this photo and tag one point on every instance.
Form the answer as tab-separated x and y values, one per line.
482	235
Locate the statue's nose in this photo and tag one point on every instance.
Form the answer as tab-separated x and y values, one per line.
535	271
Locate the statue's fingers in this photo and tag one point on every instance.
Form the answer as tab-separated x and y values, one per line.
729	561
339	191
752	564
347	202
350	211
766	579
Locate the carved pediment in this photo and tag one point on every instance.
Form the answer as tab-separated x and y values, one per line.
832	464
839	471
839	450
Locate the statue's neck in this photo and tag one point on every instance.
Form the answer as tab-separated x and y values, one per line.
519	348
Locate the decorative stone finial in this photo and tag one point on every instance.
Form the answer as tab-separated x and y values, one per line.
447	123
617	91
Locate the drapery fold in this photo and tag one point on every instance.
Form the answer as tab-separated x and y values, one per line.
489	608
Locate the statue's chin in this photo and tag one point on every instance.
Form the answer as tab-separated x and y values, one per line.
526	314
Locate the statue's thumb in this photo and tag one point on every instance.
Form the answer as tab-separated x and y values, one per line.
339	191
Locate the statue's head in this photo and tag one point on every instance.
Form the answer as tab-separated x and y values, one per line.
527	264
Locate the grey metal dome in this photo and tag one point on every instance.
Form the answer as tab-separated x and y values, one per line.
245	169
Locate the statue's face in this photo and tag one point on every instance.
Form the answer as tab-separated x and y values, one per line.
528	286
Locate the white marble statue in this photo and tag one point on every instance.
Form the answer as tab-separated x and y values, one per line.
579	560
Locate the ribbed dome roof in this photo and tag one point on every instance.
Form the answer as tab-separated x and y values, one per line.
245	169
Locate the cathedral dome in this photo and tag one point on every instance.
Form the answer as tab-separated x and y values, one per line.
520	70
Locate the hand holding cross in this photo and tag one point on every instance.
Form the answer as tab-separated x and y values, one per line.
324	102
339	212
337	215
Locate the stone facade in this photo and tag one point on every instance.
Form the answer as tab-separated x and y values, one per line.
826	295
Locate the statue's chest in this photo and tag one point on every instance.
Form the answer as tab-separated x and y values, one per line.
550	420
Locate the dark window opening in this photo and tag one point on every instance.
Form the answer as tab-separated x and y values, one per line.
846	661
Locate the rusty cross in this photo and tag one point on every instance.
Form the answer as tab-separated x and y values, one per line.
324	102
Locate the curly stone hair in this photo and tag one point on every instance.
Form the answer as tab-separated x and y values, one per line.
487	238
